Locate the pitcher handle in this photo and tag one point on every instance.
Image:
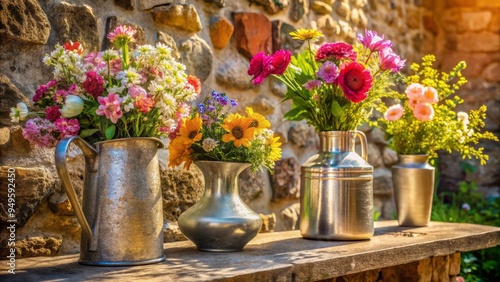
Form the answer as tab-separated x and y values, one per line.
364	144
90	156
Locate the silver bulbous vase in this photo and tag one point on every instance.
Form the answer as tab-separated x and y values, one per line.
336	190
413	182
220	221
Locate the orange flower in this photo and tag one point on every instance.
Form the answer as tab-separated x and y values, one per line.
179	152
190	130
258	120
240	131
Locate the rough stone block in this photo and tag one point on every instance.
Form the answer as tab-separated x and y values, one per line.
454	264
197	56
10	96
286	180
252	34
268	222
23	21
440	267
221	30
184	17
37	246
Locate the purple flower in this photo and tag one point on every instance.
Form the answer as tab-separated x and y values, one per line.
201	108
372	41
390	61
328	72
311	84
40	132
234	103
466	207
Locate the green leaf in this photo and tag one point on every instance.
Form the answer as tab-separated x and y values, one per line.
110	132
337	109
295	114
88	132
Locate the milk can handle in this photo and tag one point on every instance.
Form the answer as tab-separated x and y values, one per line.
90	156
364	143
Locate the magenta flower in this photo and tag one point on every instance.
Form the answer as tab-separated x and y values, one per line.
122	33
110	107
355	81
93	84
311	84
60	96
260	67
67	127
328	72
372	41
390	60
52	113
279	61
40	132
335	51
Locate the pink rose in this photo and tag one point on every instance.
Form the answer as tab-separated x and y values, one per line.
414	91
430	95
423	112
394	112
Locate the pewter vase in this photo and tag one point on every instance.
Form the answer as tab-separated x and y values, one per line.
336	190
413	183
220	221
121	213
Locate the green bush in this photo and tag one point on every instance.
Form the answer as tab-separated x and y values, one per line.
469	206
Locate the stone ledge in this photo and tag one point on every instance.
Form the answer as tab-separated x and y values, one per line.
279	256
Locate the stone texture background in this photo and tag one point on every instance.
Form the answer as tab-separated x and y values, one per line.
216	39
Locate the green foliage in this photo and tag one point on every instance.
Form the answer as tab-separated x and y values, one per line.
468	206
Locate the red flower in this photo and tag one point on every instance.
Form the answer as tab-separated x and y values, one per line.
93	84
52	113
70	46
195	83
280	61
260	67
335	51
355	81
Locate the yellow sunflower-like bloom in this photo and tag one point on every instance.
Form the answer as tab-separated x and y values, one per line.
275	146
179	152
306	34
190	130
258	120
239	130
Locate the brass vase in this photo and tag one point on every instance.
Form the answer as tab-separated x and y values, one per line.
413	182
220	221
336	190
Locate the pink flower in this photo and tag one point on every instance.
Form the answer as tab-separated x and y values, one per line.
95	59
144	104
93	84
40	132
67	127
390	60
311	84
430	95
110	107
60	96
115	66
412	103
43	90
52	113
328	72
122	33
423	112
414	91
335	51
260	67
394	112
279	61
73	89
372	41
135	91
355	81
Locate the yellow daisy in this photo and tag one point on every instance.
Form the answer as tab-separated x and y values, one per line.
190	130
258	120
179	152
275	146
239	130
306	34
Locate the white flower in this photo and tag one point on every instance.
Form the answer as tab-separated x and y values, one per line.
72	107
463	116
116	89
20	112
209	144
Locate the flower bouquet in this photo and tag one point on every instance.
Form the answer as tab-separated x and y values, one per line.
116	93
425	120
335	86
212	133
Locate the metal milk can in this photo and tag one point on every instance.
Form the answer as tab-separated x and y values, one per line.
121	213
336	190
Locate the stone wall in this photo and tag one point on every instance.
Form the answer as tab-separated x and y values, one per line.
216	39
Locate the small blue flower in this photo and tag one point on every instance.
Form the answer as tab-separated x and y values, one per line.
234	103
201	108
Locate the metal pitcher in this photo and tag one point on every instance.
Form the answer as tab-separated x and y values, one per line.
121	213
336	190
